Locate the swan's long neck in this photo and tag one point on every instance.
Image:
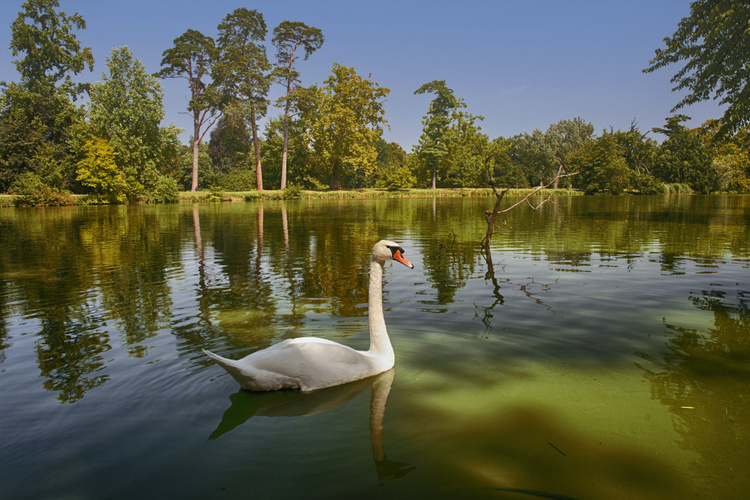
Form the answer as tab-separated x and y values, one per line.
380	344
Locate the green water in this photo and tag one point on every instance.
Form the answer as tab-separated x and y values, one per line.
603	353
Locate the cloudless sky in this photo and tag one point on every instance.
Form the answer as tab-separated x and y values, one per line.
521	64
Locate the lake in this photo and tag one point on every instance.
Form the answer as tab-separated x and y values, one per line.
601	352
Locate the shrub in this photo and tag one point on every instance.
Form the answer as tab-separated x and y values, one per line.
292	192
396	179
99	171
648	184
33	192
238	180
165	190
215	193
677	188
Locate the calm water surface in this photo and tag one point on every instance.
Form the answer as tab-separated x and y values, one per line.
602	353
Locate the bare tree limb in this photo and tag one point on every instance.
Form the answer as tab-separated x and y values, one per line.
490	216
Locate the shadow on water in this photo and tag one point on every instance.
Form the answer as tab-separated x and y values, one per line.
246	405
97	301
533	452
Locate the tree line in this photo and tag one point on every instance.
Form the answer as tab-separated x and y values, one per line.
329	136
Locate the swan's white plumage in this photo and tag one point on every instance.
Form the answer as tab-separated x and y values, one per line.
310	363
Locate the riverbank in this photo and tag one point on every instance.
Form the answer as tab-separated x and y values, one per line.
7	200
208	196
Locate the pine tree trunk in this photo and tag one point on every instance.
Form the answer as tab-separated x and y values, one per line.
196	150
256	147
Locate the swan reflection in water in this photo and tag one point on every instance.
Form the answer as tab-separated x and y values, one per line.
246	405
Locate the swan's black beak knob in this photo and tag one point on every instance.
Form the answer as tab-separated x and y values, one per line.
398	255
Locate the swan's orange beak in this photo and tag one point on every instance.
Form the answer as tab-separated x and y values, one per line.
399	256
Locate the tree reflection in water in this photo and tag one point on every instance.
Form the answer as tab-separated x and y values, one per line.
246	405
703	377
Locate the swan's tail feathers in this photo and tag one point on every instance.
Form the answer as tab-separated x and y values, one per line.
229	365
216	357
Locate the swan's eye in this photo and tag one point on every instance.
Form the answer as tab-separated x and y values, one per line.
396	249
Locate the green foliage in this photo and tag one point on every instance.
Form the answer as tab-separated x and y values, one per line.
647	184
638	150
467	147
237	180
433	143
677	188
542	155
393	172
37	114
164	190
344	122
34	135
52	50
242	72
292	192
288	38
683	158
600	167
209	173
126	110
711	46
215	194
230	145
98	170
396	179
732	165
32	191
191	58
730	157
298	154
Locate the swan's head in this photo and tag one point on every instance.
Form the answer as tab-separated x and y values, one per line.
388	250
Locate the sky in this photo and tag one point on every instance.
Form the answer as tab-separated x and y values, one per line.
521	64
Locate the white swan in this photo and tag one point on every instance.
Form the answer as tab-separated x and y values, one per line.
310	363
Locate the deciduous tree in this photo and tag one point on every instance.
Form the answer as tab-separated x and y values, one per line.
345	121
99	171
465	152
542	154
52	51
600	166
712	44
126	110
36	114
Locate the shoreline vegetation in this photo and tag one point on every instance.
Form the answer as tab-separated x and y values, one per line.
293	193
327	141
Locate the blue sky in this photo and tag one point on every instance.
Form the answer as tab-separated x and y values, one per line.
522	64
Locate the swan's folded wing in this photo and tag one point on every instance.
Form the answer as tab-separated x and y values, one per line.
316	362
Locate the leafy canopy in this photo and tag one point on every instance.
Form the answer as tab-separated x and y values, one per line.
99	171
126	110
345	123
433	143
713	43
52	51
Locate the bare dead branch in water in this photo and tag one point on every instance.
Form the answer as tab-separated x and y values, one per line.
490	216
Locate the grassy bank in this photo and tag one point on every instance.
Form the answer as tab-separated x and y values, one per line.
7	200
204	196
